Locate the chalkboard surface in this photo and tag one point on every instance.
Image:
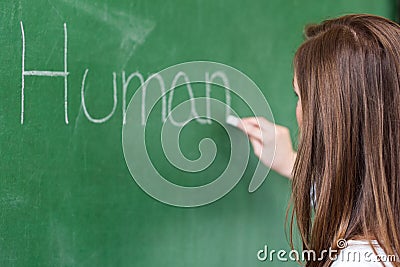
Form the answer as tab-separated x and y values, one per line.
67	197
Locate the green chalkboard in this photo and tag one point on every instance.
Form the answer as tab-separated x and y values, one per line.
67	196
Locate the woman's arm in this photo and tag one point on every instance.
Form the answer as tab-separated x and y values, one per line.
261	134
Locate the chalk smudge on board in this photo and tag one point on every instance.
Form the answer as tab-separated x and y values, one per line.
62	239
134	30
11	201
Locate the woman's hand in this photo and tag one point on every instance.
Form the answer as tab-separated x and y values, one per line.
261	134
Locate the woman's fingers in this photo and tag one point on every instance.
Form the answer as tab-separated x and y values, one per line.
257	146
271	143
261	122
258	128
254	132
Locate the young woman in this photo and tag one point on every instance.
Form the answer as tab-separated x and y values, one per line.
346	173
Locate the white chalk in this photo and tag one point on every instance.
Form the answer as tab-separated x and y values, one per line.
232	120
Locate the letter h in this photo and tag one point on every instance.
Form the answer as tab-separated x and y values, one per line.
44	73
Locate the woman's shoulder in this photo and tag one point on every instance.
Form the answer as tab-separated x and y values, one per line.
360	253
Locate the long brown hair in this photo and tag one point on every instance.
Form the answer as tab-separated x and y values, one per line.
348	74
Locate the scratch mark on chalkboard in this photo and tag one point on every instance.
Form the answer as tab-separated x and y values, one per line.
85	168
50	56
77	118
130	53
40	182
13	11
55	9
75	129
80	113
20	8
